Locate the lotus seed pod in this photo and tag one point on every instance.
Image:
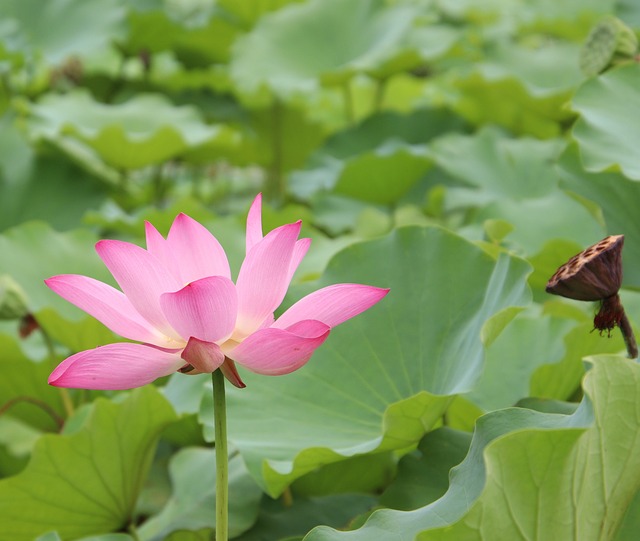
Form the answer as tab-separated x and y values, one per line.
609	43
13	300
592	275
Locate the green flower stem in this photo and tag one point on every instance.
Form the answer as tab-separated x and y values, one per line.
66	401
64	393
381	86
287	497
222	461
275	182
133	531
349	110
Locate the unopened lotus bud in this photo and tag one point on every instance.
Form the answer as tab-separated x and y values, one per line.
609	43
593	274
13	300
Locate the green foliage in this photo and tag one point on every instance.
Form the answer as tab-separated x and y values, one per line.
605	131
264	58
549	454
143	131
194	496
86	482
451	151
392	372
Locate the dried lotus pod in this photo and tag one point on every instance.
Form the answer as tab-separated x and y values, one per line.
593	274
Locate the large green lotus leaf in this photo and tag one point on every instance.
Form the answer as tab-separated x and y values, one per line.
33	251
187	432
534	221
209	43
545	17
531	475
24	382
195	87
37	187
383	379
538	21
422	45
381	176
539	354
463	414
527	343
373	223
416	127
499	165
607	129
250	12
547	68
571	19
185	393
490	11
281	522
617	197
629	529
10	464
337	214
146	129
601	469
628	11
45	191
531	221
17	437
355	159
278	137
66	28
506	100
13	46
362	474
384	176
86	158
288	52
514	180
150	30
88	482
227	140
16	159
192	504
561	379
197	34
423	475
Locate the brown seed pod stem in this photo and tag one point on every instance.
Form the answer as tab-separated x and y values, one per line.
629	337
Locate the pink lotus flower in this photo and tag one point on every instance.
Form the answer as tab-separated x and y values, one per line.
178	300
